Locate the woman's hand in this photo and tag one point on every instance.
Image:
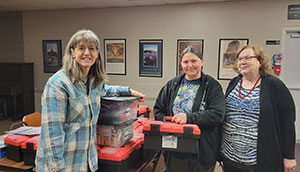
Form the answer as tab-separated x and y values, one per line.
180	118
289	164
137	94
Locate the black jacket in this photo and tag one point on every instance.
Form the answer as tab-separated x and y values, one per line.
208	120
276	126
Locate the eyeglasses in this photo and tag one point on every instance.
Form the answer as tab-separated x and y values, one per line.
83	48
246	58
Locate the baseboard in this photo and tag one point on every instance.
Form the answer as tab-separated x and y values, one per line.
297	140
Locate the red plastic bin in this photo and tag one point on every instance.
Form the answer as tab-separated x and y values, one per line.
140	122
119	159
14	142
144	111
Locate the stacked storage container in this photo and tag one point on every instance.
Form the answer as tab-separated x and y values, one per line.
119	159
117	146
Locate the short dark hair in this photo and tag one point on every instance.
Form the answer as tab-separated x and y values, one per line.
192	49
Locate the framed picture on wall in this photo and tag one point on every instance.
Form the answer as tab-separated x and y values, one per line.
181	45
115	56
52	55
228	49
150	58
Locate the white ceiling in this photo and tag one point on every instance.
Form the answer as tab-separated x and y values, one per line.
28	5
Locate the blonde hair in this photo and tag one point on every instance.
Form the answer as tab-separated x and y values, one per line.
97	72
264	68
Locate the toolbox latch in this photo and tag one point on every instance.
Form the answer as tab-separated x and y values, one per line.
154	129
188	132
30	146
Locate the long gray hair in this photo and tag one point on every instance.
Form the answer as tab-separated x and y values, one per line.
97	72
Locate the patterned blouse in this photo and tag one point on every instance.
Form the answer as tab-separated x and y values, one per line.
240	127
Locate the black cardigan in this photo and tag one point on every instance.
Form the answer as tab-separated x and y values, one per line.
276	126
208	120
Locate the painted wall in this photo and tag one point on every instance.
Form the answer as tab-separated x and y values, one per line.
11	37
256	20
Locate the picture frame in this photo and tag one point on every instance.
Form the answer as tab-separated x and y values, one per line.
150	57
52	55
115	56
181	45
228	49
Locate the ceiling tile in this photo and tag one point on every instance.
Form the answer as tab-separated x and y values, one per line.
180	1
118	3
22	5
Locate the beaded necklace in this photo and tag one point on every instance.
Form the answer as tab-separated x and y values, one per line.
240	95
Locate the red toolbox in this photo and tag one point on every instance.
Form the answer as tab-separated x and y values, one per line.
170	136
29	148
144	111
140	122
14	142
119	159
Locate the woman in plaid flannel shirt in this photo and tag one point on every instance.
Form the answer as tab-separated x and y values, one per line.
70	108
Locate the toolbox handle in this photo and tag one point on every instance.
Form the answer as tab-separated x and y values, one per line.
168	118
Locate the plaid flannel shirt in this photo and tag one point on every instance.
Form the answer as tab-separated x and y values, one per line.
69	117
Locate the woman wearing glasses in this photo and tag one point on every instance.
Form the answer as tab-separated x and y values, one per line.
70	108
258	130
193	98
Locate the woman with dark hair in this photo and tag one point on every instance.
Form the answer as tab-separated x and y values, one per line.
70	108
259	129
193	98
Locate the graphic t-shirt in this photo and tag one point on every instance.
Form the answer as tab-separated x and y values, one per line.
185	96
183	102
